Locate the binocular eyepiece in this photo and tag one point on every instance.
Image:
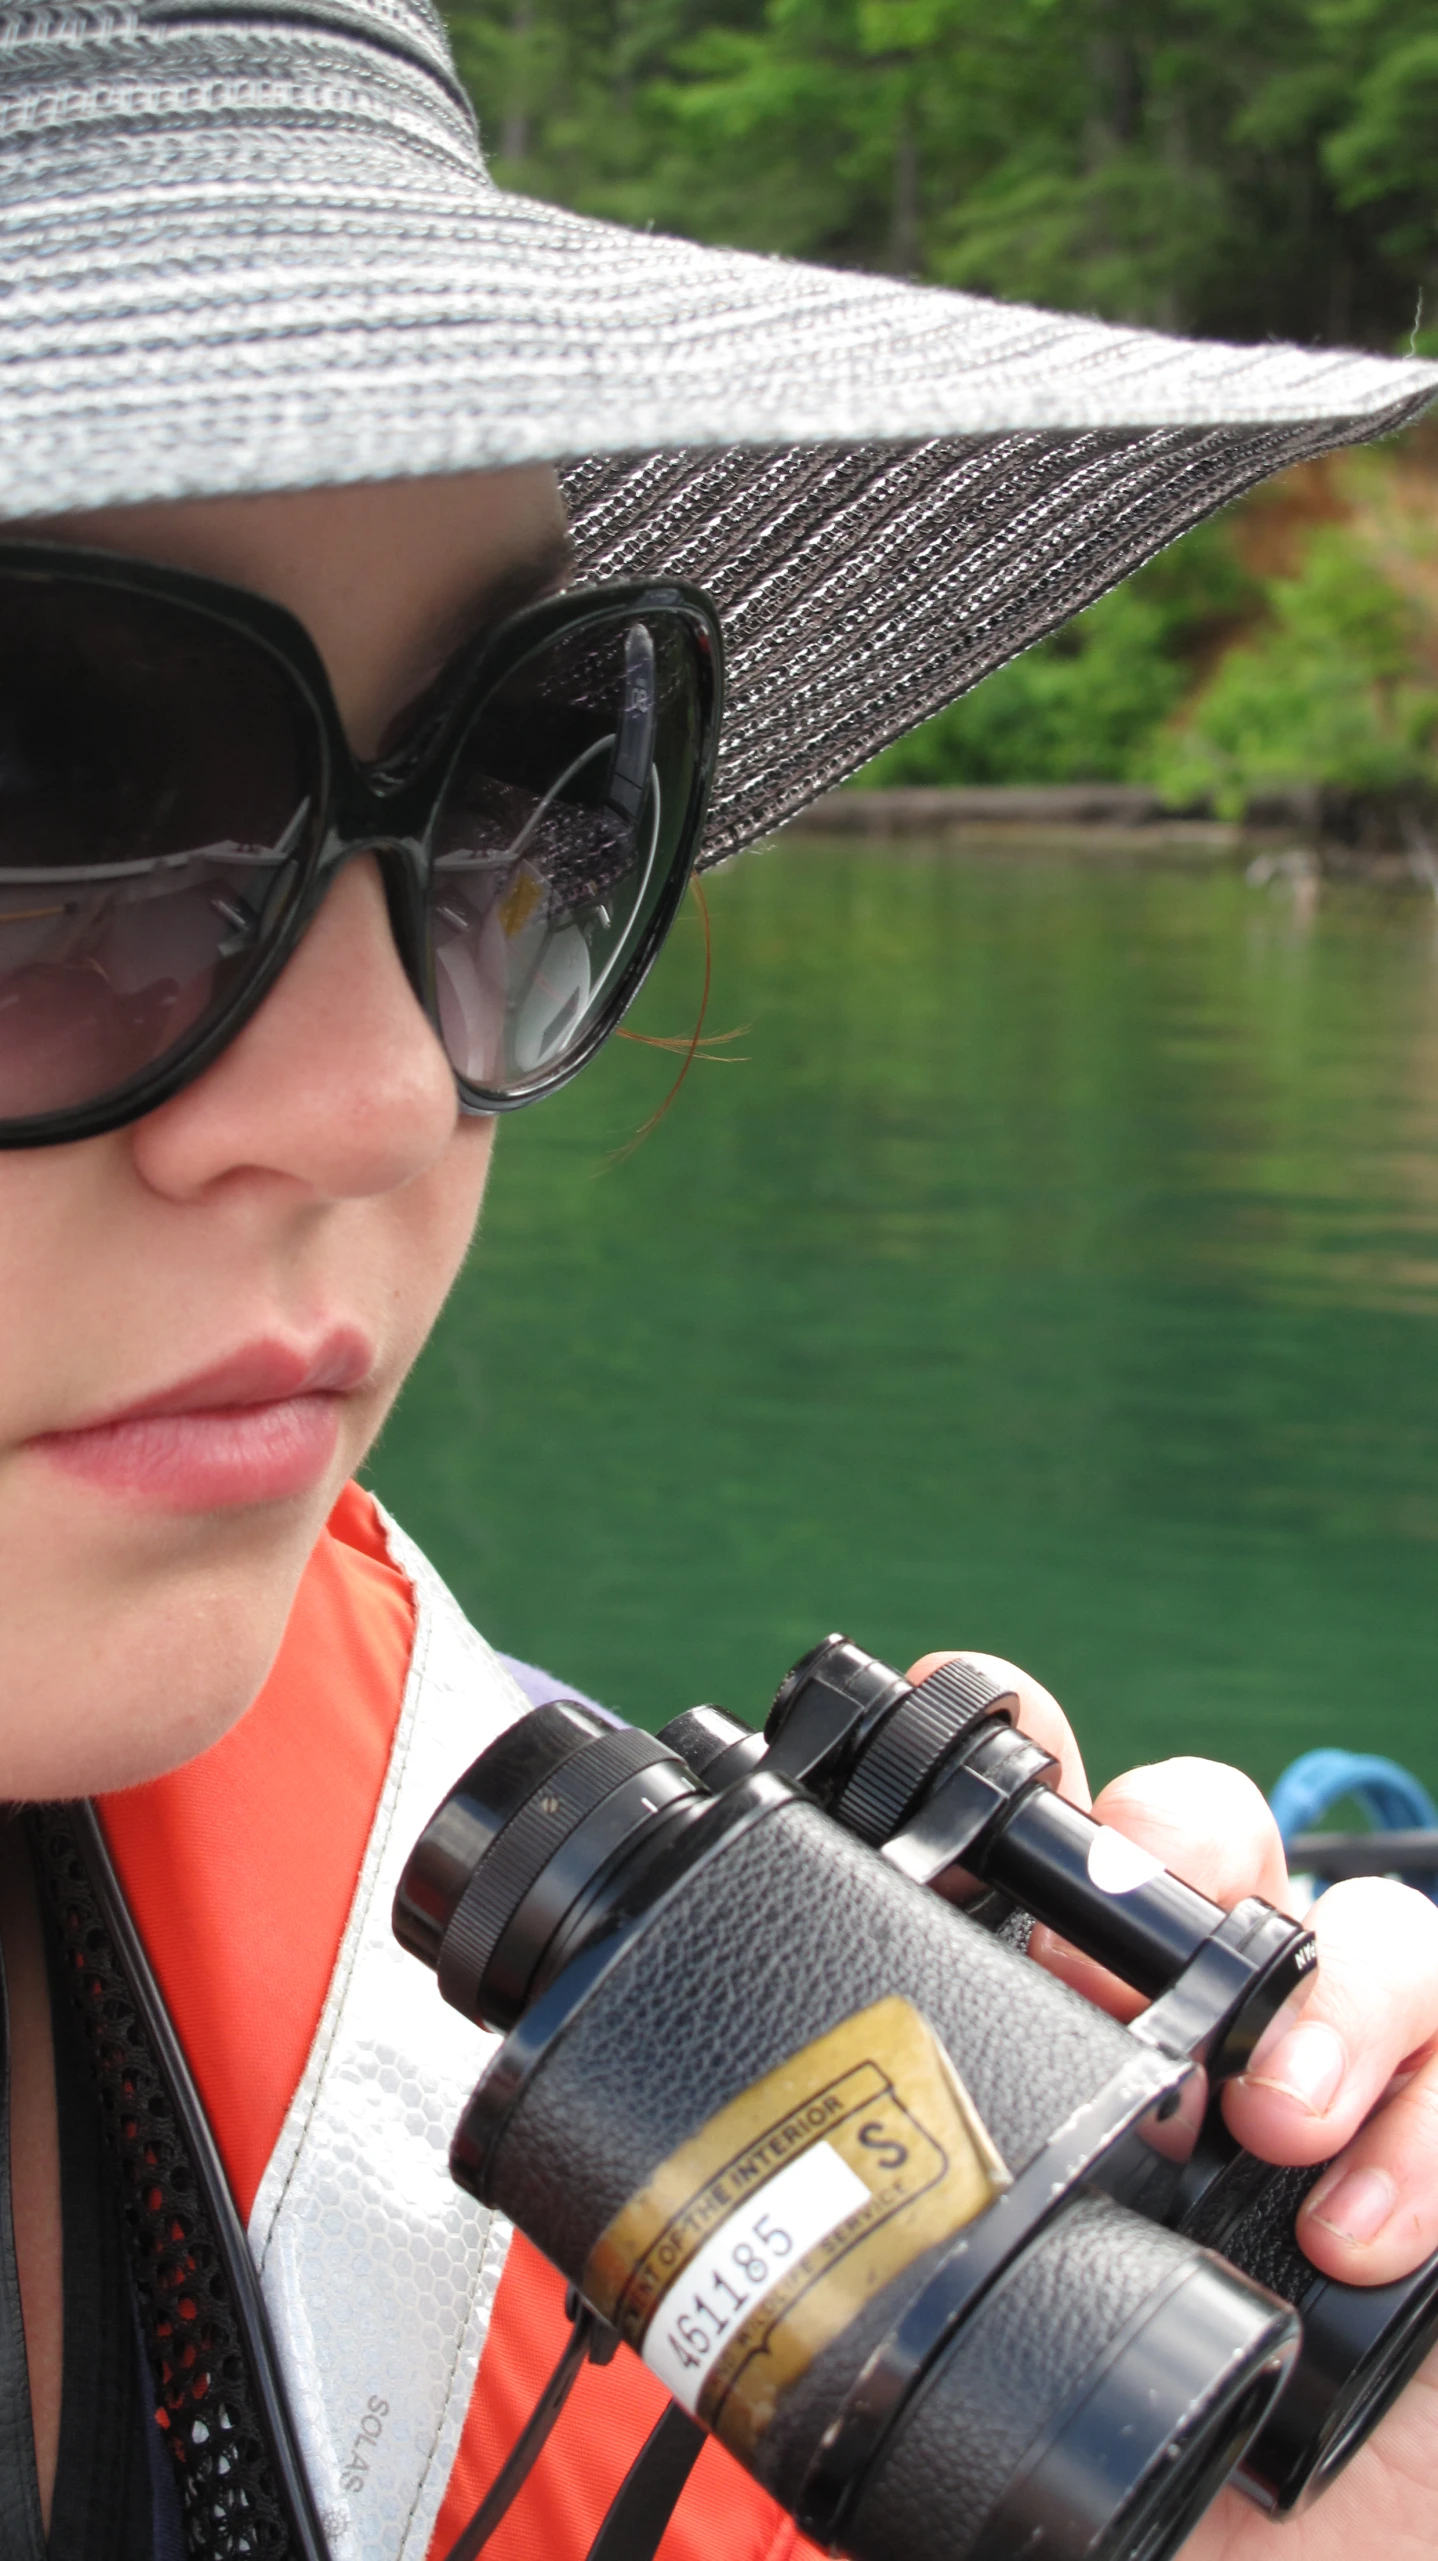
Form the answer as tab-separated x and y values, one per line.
907	2225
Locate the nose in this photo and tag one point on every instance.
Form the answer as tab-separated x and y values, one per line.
337	1084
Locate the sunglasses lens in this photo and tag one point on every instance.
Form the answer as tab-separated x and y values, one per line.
157	771
567	815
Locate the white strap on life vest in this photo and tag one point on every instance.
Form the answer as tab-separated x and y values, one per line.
378	2273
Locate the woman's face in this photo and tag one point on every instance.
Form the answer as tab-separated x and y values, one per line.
207	1315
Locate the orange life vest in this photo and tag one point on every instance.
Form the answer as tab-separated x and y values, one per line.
275	1825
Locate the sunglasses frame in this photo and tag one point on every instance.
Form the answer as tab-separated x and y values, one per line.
386	807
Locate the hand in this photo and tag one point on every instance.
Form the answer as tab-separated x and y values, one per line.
1353	2077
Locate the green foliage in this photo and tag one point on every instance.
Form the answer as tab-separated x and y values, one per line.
1379	152
1212	684
1331	689
1194	163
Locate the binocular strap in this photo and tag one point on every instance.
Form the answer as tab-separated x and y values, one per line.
243	2488
651	2489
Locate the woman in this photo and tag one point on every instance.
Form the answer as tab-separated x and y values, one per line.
272	345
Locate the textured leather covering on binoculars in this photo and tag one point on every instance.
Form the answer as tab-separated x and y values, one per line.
1249	2214
976	2420
790	1929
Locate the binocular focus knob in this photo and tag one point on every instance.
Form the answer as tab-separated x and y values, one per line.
912	1743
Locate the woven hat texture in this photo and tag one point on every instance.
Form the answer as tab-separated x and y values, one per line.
254	247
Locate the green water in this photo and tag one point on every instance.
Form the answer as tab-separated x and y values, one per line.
1058	1276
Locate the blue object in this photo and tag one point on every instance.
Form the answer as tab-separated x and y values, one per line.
1391	1797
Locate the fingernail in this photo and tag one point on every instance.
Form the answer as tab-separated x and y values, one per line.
1306	2065
1354	2203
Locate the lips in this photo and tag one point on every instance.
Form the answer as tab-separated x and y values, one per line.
259	1426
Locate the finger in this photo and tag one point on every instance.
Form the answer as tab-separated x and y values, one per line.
1372	2008
1040	1714
1084	1974
1374	2215
1210	1824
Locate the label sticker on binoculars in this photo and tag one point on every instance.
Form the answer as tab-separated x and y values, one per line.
759	2240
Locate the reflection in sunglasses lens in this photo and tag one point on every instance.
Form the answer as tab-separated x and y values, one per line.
554	843
155	782
101	976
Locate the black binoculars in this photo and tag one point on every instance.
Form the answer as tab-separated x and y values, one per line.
938	1779
930	2244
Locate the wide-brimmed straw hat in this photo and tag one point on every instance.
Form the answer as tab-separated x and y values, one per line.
250	245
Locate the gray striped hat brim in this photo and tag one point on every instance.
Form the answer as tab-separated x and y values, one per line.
256	249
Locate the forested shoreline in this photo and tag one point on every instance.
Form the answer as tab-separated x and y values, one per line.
1186	164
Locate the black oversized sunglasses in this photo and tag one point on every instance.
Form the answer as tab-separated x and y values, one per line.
177	793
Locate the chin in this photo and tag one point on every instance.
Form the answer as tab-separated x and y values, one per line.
119	1732
110	1678
135	1743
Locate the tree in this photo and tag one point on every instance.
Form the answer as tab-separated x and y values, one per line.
1196	164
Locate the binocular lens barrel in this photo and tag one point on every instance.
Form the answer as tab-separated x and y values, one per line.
1361	2343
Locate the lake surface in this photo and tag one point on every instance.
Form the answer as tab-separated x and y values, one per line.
1059	1275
